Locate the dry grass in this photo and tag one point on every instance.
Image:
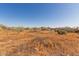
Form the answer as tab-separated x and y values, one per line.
38	43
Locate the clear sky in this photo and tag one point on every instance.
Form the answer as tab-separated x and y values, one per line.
32	15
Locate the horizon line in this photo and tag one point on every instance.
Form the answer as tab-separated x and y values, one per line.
6	25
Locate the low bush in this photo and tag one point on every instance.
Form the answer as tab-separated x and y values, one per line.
61	32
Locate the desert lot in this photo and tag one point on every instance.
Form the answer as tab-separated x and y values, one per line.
38	43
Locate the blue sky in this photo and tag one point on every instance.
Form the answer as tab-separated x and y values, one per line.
37	15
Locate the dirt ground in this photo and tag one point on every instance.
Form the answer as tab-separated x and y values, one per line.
38	43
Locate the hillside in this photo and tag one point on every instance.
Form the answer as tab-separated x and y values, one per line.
38	41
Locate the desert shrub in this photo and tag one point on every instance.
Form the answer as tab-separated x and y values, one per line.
43	28
69	29
76	31
18	29
65	29
34	29
27	28
61	32
2	26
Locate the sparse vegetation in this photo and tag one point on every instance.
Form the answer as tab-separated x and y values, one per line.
61	32
39	41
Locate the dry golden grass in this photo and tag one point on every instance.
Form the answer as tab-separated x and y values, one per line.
38	43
